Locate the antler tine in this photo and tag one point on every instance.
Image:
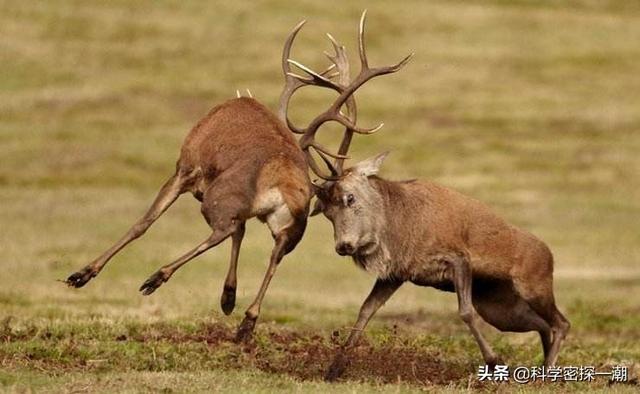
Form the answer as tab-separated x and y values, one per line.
394	68
316	79
322	149
328	70
291	84
361	49
334	171
364	62
350	126
316	170
339	60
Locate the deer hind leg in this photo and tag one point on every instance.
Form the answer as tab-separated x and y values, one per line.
164	273
169	192
228	299
541	300
223	211
460	272
501	306
286	238
560	329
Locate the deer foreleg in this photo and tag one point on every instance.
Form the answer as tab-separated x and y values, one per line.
381	292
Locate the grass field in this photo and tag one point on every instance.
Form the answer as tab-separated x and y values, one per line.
531	106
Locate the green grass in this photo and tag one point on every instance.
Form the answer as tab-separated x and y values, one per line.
529	106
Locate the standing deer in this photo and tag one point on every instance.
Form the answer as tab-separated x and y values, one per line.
240	161
429	235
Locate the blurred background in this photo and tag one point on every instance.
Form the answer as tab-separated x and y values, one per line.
530	106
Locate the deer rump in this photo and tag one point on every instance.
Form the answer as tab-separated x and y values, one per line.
244	154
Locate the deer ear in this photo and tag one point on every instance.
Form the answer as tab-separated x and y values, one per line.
370	166
321	193
320	189
318	207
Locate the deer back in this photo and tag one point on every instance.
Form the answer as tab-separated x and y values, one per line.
424	220
247	144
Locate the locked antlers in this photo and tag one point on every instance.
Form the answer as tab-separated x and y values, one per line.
344	86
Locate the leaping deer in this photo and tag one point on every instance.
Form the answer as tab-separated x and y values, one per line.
240	161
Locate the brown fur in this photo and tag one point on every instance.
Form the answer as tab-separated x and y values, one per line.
240	161
243	136
429	235
425	221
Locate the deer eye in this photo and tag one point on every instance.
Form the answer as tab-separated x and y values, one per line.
351	199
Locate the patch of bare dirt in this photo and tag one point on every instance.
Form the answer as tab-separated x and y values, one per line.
435	322
307	356
388	364
209	333
304	355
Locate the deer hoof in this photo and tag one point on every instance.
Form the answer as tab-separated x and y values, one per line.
81	277
493	361
245	331
228	300
337	368
154	281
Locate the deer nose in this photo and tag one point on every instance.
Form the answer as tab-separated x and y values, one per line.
345	248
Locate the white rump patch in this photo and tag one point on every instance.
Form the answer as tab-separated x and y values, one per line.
271	207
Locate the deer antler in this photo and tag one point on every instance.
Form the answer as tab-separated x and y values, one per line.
341	63
345	89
